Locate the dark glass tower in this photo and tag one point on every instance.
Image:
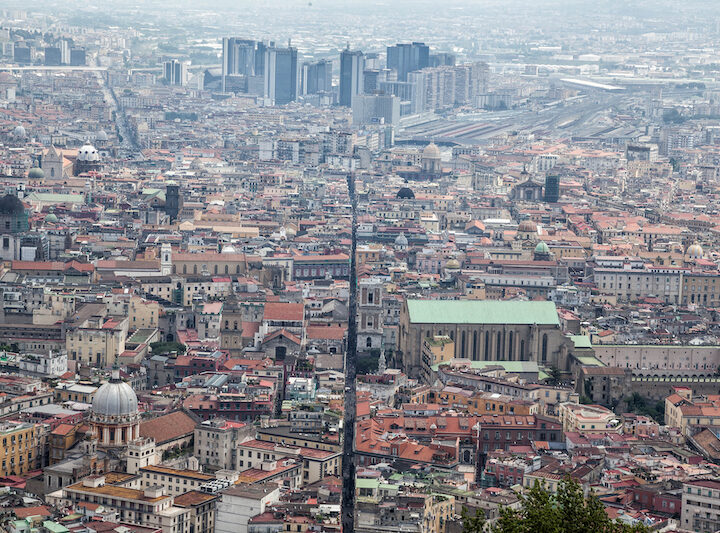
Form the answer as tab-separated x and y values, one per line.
352	67
281	75
407	57
552	189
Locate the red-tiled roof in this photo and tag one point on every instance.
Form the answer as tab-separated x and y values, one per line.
168	427
283	311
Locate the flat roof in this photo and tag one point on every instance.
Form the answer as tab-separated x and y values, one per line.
116	492
482	312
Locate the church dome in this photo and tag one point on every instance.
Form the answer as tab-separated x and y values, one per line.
453	264
527	226
401	240
88	153
431	151
695	251
19	132
36	173
115	399
51	218
542	248
405	193
101	136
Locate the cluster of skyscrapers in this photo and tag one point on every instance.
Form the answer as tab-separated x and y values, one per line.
261	69
412	80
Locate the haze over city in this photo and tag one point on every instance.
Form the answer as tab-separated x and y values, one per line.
339	266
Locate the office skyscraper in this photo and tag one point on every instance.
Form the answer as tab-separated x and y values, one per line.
241	58
552	188
316	77
281	75
352	67
77	56
375	109
175	72
404	58
53	55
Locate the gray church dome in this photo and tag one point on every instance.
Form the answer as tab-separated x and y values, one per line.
115	398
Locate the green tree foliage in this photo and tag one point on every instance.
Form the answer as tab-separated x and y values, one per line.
159	348
639	405
555	375
473	523
568	511
673	116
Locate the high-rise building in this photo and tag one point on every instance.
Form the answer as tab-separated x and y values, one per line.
552	188
407	57
53	56
77	57
243	58
316	77
352	67
442	59
371	80
281	75
22	53
175	72
64	45
375	109
441	87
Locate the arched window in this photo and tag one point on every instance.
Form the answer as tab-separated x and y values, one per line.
486	351
462	344
498	347
475	346
368	342
194	269
511	355
544	348
522	350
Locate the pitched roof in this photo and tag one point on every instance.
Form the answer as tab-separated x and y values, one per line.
168	427
283	311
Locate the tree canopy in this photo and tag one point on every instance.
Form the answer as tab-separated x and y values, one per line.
540	511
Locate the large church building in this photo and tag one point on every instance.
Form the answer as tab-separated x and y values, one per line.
483	330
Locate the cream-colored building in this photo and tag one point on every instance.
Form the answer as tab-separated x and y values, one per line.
175	481
683	410
588	419
149	507
317	464
435	350
98	341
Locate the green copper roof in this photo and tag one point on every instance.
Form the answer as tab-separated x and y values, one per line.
364	483
589	360
523	367
55	198
581	341
482	312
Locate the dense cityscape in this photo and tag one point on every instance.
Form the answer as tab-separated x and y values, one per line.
325	266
